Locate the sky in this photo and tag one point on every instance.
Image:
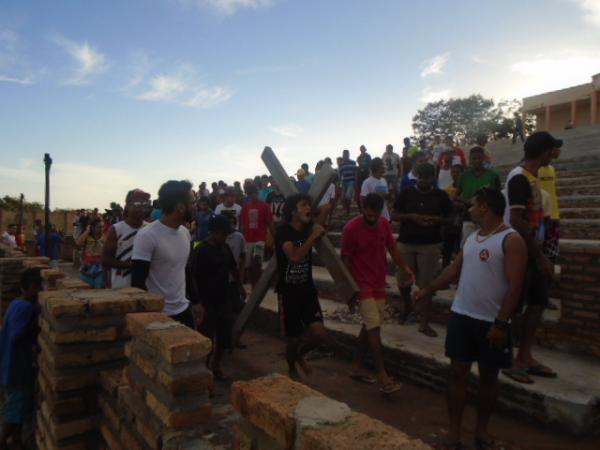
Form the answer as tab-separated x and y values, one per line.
132	93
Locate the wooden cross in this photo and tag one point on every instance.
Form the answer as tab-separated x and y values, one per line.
345	285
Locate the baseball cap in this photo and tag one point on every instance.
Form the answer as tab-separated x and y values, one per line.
229	190
220	223
538	143
137	194
300	172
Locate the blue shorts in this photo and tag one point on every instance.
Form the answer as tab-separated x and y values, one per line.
18	404
96	283
348	190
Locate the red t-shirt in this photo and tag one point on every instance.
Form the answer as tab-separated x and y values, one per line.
366	248
458	157
255	218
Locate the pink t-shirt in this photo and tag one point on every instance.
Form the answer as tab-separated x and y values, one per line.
366	248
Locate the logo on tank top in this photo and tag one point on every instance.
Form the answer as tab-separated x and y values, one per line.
484	254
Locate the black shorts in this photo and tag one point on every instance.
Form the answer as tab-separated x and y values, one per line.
218	322
186	317
298	310
535	287
466	341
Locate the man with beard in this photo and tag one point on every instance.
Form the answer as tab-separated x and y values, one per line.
365	240
299	303
161	250
116	252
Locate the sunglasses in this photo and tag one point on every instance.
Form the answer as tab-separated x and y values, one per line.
140	204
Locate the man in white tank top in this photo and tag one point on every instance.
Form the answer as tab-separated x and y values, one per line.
491	268
118	247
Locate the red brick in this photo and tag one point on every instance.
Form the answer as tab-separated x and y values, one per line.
136	323
178	418
129	440
110	439
106	334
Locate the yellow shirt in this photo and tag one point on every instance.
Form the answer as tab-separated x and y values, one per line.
450	190
547	178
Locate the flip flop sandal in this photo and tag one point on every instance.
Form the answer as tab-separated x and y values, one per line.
430	332
518	375
541	371
484	444
458	445
390	388
367	379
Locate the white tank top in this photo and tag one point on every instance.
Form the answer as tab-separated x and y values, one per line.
482	283
121	278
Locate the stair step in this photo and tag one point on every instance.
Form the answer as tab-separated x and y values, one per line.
569	402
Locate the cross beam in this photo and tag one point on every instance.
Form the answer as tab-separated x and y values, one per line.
346	287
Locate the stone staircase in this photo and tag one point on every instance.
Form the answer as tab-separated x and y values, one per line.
572	401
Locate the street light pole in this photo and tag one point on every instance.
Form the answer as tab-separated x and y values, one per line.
47	164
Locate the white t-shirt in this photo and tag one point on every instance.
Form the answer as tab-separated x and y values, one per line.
391	161
378	186
328	196
237	245
230	211
444	178
167	250
437	151
9	239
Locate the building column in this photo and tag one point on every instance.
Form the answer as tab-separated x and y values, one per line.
573	112
548	118
594	108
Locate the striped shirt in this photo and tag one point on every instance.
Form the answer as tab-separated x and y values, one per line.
121	278
347	171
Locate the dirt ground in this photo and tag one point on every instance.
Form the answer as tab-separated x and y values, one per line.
414	410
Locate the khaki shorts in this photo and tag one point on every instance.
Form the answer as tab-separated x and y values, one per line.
372	312
423	259
255	253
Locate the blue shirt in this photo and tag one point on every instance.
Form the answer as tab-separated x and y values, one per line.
202	219
156	214
16	358
303	186
54	239
347	171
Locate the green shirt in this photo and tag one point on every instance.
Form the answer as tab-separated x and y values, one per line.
469	184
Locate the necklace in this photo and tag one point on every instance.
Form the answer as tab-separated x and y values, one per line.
487	236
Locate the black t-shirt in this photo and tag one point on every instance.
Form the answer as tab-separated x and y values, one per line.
276	201
293	278
406	164
433	203
211	266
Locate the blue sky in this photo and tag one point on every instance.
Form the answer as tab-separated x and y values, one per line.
128	94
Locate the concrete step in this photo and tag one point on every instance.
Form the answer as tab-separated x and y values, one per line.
441	302
570	228
579	201
587	189
580	213
570	402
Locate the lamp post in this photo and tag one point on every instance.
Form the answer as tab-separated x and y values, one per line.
47	164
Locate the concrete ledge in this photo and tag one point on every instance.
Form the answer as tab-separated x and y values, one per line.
570	402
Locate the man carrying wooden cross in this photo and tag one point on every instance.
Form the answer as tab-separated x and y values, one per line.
301	315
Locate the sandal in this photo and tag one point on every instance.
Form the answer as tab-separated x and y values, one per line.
367	379
390	387
482	443
430	332
518	375
540	370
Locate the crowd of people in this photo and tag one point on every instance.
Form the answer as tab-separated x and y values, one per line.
456	224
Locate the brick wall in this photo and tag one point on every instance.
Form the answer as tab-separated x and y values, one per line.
578	329
160	401
82	332
10	276
280	414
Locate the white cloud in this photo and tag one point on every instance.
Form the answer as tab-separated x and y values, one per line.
227	7
181	86
23	81
560	70
90	62
435	65
591	11
290	130
428	95
14	67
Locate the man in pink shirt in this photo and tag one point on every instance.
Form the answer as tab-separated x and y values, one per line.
458	154
364	242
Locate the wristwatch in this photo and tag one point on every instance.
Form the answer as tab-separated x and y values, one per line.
502	324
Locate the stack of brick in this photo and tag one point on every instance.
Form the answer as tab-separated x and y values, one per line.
51	278
163	399
82	332
10	277
280	414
